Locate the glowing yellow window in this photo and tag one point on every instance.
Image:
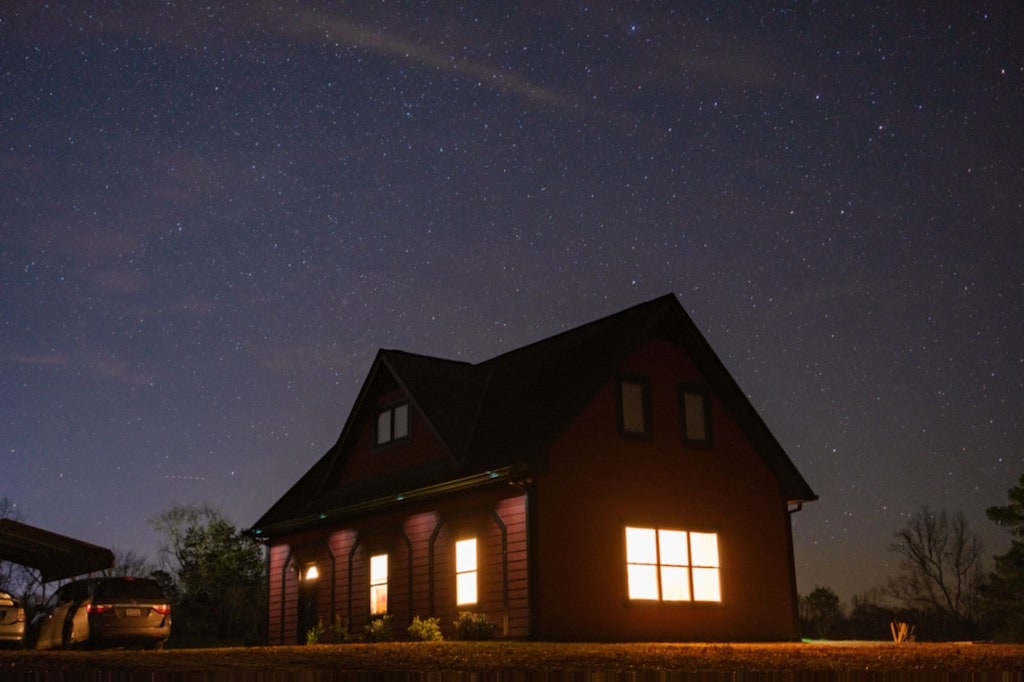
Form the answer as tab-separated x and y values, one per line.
379	584
672	565
465	572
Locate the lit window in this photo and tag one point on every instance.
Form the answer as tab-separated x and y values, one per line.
633	407
672	565
378	584
393	424
465	572
696	415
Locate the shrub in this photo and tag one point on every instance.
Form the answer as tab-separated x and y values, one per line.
474	626
425	630
378	630
336	633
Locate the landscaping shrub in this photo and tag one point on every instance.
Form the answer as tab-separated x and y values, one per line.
379	630
474	626
425	630
336	633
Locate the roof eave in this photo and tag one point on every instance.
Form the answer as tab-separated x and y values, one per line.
313	519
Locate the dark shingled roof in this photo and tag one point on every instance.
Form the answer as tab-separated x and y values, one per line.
501	414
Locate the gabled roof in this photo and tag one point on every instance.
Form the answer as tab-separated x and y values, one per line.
55	556
478	412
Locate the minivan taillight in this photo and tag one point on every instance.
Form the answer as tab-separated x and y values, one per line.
99	608
162	609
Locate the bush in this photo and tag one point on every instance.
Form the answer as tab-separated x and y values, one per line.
378	630
337	633
426	630
474	626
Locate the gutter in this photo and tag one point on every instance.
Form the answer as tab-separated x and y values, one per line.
414	495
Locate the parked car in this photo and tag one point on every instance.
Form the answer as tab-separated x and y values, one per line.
12	620
103	612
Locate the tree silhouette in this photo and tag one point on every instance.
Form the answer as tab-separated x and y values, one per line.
1005	593
942	570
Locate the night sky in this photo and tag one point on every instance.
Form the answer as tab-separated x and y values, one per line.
211	217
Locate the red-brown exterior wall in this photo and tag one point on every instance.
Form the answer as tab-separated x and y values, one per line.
598	482
552	558
420	544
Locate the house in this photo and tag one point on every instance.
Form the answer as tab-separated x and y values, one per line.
611	482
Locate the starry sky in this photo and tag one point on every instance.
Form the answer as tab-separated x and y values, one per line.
213	215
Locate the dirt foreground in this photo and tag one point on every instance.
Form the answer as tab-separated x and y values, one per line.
533	660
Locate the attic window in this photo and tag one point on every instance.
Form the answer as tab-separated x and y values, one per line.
672	565
393	424
634	407
695	408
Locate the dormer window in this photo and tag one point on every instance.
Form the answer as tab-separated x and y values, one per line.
393	424
695	409
634	407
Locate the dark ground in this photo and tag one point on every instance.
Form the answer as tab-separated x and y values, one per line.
534	660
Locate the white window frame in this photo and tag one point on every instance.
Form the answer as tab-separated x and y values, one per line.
672	565
378	584
467	572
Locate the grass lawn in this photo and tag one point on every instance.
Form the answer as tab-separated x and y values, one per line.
827	660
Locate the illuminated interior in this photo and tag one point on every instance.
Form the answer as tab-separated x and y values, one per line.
379	584
465	572
672	565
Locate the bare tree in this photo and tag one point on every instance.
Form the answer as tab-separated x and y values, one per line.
129	563
942	566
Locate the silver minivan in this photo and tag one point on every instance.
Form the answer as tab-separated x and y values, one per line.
12	620
103	612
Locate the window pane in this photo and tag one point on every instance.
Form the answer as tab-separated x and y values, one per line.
384	427
643	582
465	588
672	545
675	583
379	599
696	426
465	555
633	408
704	548
641	546
705	585
401	423
378	569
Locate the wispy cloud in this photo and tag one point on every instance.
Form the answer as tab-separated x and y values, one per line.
312	26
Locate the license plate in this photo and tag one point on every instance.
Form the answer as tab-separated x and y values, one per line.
133	612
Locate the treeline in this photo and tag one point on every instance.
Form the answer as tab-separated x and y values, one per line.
944	590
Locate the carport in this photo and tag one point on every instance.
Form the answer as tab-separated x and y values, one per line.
55	556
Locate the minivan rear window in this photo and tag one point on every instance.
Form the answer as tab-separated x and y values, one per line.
113	590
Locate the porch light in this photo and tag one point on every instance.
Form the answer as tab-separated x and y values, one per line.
312	573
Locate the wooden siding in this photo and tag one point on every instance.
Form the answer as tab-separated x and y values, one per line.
367	460
421	569
598	482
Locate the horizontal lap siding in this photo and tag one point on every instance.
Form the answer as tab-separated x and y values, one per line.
339	544
418	529
512	512
281	600
421	580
